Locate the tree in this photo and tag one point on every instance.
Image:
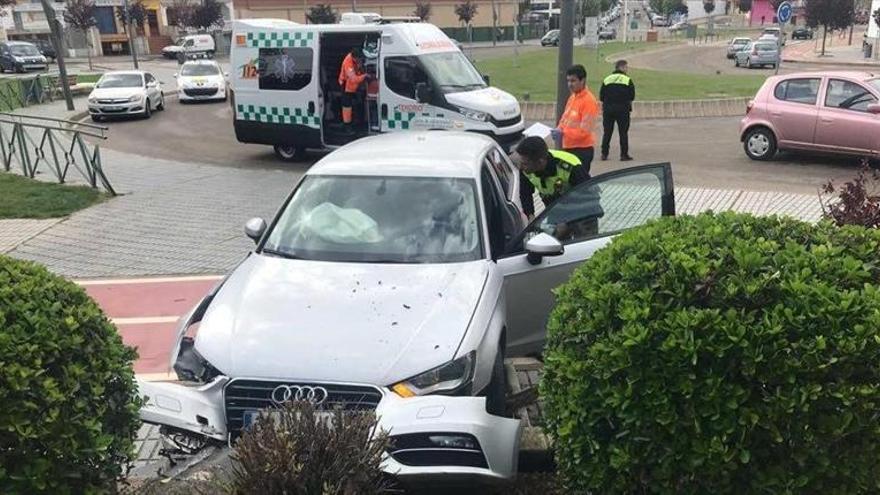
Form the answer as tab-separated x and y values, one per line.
135	13
665	7
423	10
709	7
180	13
745	5
80	16
466	12
322	14
830	14
207	14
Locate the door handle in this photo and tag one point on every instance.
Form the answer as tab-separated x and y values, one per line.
384	110
311	108
776	114
827	119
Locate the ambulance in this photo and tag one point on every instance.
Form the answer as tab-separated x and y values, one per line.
285	90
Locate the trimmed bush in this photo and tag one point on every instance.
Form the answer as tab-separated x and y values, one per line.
300	451
721	354
68	402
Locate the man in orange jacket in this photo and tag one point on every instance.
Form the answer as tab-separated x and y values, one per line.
575	127
351	75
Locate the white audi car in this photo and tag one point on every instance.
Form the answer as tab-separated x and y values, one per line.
126	93
200	80
396	278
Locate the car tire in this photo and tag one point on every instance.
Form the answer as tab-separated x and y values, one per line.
760	144
161	106
148	110
97	118
736	62
496	392
289	153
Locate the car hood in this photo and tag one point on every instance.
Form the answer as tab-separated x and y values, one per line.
115	93
497	103
338	322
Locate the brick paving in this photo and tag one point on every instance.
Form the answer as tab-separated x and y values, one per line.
16	231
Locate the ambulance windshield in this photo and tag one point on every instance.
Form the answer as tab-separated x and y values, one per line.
452	71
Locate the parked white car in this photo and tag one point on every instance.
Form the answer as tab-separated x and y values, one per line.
126	93
396	277
201	80
192	44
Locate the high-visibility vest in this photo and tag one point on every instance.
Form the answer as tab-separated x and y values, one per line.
552	186
617	78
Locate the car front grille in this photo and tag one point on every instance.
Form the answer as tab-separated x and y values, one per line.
241	396
506	122
200	91
113	101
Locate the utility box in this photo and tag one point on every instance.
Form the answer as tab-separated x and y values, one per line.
652	37
692	32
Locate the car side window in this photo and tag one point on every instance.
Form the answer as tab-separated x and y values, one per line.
402	74
805	90
503	170
493	205
149	78
848	96
287	69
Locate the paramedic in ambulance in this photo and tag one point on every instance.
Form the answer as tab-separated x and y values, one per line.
351	75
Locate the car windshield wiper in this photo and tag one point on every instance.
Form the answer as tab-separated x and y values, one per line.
280	254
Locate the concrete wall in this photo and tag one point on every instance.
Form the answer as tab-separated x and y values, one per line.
442	11
873	30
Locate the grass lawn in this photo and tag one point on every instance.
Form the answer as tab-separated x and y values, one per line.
21	197
535	74
87	78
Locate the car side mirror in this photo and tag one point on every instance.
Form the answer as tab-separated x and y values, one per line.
486	79
175	75
255	228
423	92
874	108
225	74
542	245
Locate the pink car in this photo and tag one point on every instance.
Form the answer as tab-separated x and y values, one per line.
834	112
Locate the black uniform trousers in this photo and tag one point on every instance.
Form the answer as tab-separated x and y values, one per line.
621	118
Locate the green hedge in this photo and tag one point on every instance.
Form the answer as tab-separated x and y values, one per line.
69	409
721	354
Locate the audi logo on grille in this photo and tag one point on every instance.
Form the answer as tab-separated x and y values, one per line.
299	393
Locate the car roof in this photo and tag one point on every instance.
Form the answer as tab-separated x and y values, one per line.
409	154
18	42
201	62
850	74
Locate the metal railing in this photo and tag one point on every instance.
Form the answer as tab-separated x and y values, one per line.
33	143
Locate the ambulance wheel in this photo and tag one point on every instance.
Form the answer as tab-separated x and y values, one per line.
289	153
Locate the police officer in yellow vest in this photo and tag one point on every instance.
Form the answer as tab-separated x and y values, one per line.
617	94
550	172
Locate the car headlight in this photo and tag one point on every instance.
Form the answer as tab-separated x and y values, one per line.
474	114
446	378
135	98
93	100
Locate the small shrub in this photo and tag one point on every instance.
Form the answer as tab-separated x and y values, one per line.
721	354
68	401
298	452
857	201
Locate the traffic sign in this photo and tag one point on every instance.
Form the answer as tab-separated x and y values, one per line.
783	13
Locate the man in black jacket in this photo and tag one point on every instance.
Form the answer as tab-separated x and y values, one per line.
617	94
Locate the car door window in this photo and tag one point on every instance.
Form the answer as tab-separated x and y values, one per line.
605	205
149	79
804	90
848	95
493	204
503	170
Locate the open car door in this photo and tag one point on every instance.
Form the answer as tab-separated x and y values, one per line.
583	220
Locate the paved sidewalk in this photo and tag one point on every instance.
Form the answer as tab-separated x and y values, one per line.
15	231
837	51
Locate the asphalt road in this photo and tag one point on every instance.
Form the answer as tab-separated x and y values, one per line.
712	59
704	152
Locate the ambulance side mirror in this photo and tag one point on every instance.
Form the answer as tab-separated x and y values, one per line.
423	92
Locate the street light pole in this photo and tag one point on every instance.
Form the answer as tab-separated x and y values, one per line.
55	31
566	42
128	25
625	20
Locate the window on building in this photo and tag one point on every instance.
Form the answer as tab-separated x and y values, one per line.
288	69
105	20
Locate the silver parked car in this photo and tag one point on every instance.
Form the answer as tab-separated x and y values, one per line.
396	285
736	45
758	54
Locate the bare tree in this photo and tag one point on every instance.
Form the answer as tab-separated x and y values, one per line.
207	14
466	11
423	10
180	13
322	14
80	15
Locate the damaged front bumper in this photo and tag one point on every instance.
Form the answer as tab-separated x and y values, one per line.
433	437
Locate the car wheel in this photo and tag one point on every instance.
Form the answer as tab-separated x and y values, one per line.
96	118
736	62
760	144
148	110
496	392
161	106
289	153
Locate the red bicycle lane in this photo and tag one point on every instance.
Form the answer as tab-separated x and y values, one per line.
146	311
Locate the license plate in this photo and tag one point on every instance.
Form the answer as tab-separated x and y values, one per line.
113	109
251	417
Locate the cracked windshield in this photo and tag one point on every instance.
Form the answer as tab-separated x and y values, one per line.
439	246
